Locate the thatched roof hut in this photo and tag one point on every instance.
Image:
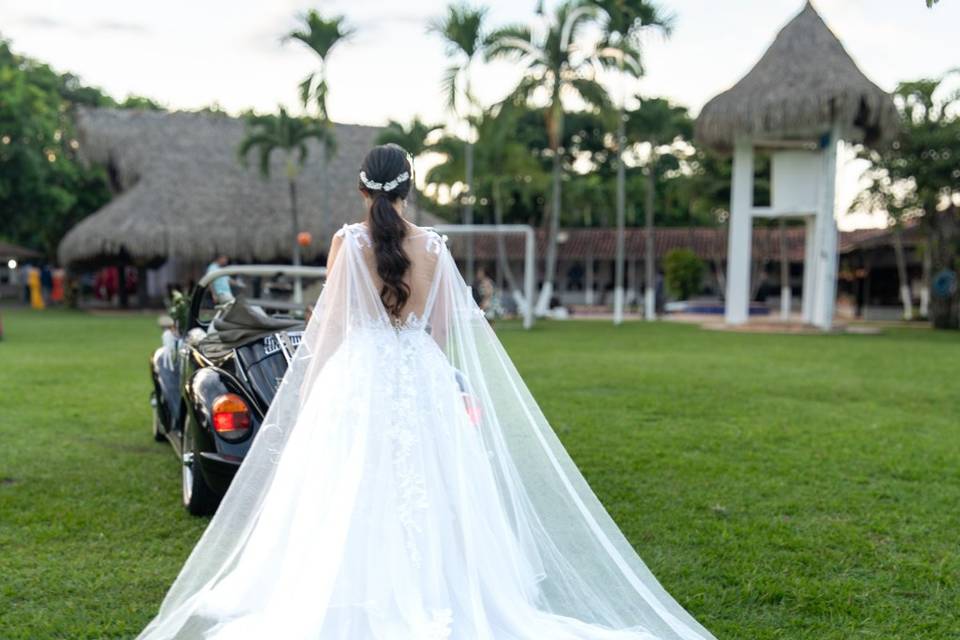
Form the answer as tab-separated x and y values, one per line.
803	83
180	191
11	251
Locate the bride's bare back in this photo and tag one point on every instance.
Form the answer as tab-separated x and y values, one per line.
422	247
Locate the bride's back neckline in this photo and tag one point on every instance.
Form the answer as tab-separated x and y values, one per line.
421	277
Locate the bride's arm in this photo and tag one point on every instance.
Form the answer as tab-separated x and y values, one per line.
335	243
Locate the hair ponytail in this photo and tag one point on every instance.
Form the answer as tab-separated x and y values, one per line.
386	177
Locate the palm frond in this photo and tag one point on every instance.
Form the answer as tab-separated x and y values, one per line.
592	93
264	154
461	29
449	86
305	89
621	55
303	152
321	34
320	94
511	42
572	18
251	141
630	18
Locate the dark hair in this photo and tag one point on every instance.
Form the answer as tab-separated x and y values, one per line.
380	178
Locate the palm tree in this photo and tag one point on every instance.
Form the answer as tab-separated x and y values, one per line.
289	135
657	123
461	29
503	162
413	138
625	21
556	65
320	35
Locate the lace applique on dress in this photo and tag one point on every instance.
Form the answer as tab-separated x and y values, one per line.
439	626
358	231
411	488
435	242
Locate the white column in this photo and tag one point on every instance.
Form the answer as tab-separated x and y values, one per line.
529	279
740	238
588	292
809	269
825	300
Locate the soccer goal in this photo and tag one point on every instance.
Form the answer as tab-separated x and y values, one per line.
525	299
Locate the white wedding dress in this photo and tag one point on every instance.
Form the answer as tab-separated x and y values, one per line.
379	502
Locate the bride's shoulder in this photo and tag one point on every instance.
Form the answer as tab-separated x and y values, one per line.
350	227
356	230
434	240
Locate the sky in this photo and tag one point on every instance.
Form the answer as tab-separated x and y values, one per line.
188	54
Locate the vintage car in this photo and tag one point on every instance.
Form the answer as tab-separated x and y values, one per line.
218	370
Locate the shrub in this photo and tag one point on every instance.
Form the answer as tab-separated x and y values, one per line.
683	272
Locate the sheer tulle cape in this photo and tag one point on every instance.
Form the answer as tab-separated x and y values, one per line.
585	569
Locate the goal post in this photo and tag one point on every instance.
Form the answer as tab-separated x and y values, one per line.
525	300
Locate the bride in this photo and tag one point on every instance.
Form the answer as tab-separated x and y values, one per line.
404	484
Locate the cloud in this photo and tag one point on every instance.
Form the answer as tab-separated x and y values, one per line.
101	27
42	22
113	26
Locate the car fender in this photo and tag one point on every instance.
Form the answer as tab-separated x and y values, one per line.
204	386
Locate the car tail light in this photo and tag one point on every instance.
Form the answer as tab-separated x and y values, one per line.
231	416
474	410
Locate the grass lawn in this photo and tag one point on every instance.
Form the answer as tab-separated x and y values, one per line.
789	487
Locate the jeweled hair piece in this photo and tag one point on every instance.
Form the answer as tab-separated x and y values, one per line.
386	187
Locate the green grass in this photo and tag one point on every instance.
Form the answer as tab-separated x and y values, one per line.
788	487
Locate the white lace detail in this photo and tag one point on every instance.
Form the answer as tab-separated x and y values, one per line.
412	322
359	231
411	488
435	242
439	626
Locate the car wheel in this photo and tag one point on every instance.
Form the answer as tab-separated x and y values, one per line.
158	433
198	498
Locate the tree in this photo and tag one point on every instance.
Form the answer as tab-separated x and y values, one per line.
683	273
462	30
620	50
556	65
143	103
504	163
657	123
44	188
916	177
413	138
290	136
900	208
321	36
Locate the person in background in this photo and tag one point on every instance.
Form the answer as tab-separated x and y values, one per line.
46	282
484	293
33	281
57	288
222	294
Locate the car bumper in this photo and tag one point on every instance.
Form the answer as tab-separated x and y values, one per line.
218	470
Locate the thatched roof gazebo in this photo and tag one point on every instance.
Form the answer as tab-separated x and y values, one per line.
805	79
181	193
801	101
10	251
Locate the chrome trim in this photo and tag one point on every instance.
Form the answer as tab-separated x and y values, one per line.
262	270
